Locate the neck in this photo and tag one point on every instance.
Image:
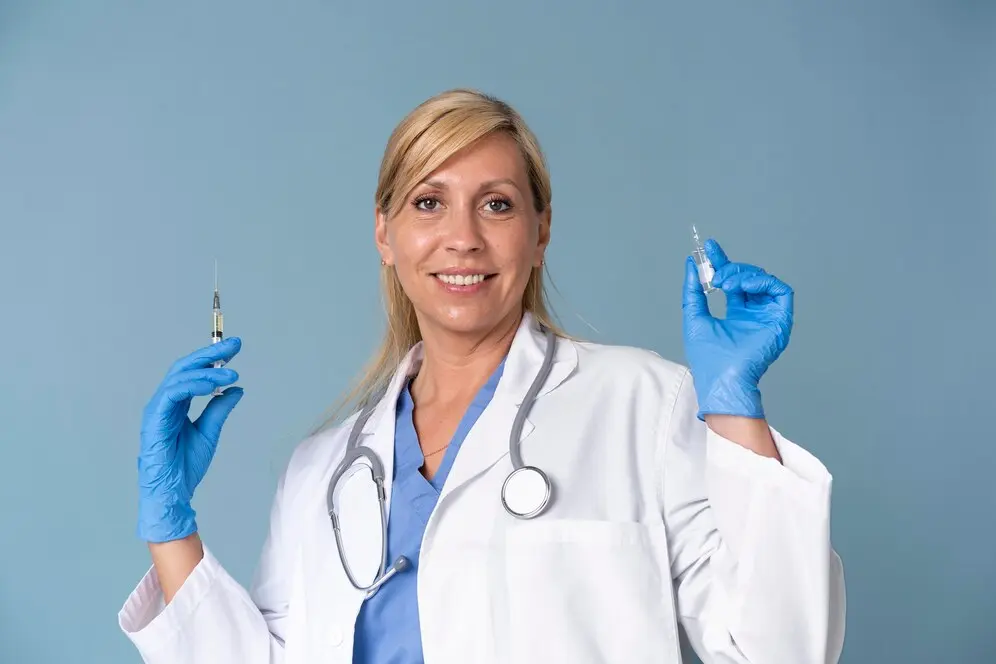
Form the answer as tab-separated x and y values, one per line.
454	367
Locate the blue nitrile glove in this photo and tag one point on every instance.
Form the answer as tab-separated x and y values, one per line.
727	357
175	452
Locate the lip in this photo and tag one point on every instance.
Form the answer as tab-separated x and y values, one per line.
463	271
463	289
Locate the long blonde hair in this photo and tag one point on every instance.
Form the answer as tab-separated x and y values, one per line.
433	132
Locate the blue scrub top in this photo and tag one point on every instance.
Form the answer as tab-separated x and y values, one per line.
387	627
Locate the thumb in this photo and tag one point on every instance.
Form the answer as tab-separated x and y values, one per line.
693	299
216	412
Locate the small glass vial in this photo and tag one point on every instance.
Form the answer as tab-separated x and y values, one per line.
703	264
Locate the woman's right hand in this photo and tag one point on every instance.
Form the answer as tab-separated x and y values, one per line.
175	453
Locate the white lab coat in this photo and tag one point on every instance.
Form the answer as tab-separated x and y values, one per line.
655	520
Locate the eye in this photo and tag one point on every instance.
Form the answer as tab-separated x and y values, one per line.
426	203
498	204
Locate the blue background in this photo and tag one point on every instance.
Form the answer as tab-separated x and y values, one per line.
847	147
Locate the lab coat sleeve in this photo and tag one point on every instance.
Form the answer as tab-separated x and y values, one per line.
212	619
756	577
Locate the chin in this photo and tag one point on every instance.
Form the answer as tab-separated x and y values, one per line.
470	320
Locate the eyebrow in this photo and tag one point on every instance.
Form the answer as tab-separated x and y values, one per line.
436	184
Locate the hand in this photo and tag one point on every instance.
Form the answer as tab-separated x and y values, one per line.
728	356
175	453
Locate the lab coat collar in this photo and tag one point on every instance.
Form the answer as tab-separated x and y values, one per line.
525	356
487	441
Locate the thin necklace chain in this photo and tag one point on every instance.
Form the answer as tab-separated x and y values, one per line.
426	456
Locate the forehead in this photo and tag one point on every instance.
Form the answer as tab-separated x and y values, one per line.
496	156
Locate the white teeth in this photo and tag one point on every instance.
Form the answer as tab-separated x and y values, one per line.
461	279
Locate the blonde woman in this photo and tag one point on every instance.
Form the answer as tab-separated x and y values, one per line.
504	493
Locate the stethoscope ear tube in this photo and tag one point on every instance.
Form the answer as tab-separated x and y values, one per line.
353	453
401	564
383	546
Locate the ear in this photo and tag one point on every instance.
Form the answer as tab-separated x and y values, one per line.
543	240
380	236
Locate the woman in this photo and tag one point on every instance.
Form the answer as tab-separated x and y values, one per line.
671	499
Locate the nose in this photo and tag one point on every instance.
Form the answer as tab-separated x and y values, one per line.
464	234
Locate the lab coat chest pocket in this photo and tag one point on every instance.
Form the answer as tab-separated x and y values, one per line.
588	591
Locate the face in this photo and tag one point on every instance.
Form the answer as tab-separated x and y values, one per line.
467	239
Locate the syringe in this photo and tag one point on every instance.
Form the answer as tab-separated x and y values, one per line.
218	322
703	263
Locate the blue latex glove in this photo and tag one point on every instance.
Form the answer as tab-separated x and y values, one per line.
175	453
727	357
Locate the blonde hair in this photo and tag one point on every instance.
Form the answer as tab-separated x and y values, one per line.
433	132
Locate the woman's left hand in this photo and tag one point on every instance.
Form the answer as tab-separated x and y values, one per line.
727	357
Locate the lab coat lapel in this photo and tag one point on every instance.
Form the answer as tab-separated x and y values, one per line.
488	440
378	432
361	527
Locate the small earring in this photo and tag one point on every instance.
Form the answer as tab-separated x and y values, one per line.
383	262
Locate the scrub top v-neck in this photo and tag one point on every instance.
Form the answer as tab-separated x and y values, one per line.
387	627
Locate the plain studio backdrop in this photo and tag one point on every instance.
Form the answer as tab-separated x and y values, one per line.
847	147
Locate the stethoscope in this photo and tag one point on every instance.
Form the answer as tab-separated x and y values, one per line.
525	493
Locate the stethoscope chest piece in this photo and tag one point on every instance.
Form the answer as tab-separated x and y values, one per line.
526	492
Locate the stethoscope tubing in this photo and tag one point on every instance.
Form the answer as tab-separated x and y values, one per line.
355	452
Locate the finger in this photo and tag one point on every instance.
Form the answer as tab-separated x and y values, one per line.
731	269
770	285
223	350
216	412
715	254
219	376
185	391
728	277
732	286
693	299
171	403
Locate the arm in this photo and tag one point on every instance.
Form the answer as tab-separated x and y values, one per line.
188	609
748	432
174	561
756	577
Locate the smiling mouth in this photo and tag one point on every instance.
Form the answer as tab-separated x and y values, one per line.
463	279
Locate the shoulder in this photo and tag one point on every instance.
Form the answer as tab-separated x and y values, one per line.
317	452
627	364
630	381
642	397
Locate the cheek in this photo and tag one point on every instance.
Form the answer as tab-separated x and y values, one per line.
518	247
411	246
